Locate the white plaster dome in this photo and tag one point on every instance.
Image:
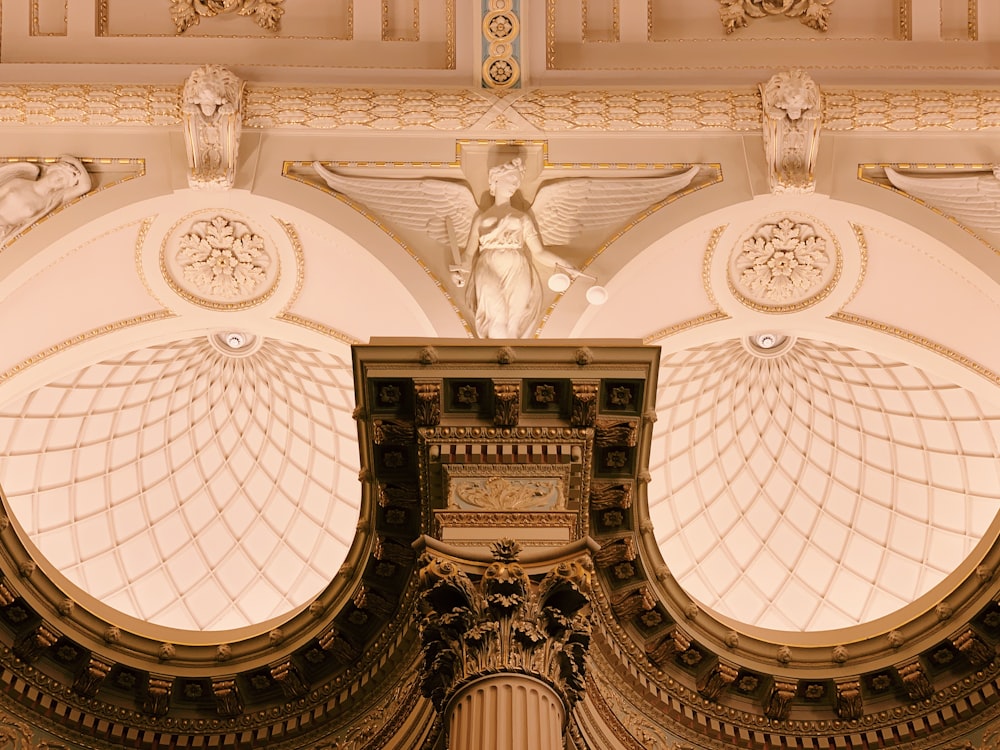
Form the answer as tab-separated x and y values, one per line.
818	487
189	486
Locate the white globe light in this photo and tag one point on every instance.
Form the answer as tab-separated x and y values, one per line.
235	340
597	295
559	281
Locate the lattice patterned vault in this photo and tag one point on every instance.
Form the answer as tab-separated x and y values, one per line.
817	489
187	486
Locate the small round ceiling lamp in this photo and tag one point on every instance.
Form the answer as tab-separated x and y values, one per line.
235	343
564	276
768	344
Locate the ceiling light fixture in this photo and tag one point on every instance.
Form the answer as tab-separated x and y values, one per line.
564	275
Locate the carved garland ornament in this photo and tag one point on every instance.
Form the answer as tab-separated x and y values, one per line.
188	13
781	264
223	259
738	13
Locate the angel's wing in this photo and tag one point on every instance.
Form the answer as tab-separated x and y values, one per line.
24	169
567	208
974	200
423	205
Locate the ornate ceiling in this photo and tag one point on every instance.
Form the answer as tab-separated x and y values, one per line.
206	535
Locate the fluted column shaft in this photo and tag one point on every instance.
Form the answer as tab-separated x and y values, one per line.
506	712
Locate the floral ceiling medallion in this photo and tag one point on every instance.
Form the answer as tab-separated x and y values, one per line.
220	263
783	265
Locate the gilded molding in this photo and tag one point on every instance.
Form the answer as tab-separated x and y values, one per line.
79	338
454	110
961	359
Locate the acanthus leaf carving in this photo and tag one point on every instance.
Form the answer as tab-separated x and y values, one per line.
738	13
212	115
223	258
783	262
504	622
187	13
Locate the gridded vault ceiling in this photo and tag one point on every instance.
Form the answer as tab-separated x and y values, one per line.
190	486
814	486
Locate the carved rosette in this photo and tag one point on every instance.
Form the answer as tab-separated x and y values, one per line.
504	623
220	263
501	32
785	264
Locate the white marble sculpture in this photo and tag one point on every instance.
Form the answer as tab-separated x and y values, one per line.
188	13
792	118
503	244
212	118
29	191
738	13
971	199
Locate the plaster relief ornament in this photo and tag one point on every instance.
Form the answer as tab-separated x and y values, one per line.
499	493
29	191
211	112
504	244
792	117
738	13
781	265
222	260
972	199
188	13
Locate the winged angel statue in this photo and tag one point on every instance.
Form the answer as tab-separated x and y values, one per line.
29	191
972	199
502	243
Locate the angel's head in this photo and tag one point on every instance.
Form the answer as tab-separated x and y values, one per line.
506	177
68	177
